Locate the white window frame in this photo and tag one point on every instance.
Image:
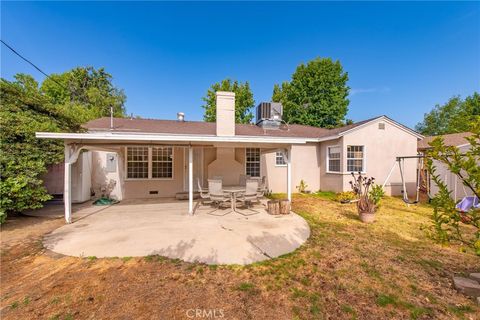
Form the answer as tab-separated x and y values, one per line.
151	163
284	164
259	162
364	158
150	166
328	159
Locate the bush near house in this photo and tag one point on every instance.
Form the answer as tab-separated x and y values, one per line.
447	223
62	103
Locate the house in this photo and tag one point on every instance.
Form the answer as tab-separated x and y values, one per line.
144	158
454	184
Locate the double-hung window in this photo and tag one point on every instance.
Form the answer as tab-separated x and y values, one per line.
355	158
252	162
280	159
162	162
334	159
137	162
149	162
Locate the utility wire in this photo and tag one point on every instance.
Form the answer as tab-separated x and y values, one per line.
32	64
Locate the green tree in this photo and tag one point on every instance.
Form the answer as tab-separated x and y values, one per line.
86	87
456	115
23	158
27	107
317	94
447	223
244	101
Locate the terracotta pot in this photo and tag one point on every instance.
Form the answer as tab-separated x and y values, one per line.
367	217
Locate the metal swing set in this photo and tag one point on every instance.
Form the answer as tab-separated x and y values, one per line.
400	161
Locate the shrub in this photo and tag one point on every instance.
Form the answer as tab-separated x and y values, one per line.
361	187
377	193
346	196
446	220
302	187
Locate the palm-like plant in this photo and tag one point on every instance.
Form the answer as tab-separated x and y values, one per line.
361	186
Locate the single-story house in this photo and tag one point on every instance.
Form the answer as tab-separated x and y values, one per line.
454	184
146	158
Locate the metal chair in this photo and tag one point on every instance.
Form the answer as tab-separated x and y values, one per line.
204	196
217	196
242	181
249	197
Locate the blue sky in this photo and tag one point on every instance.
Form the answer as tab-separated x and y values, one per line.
402	58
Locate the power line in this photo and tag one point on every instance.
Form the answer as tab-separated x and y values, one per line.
32	64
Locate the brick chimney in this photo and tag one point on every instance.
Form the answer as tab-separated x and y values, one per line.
225	113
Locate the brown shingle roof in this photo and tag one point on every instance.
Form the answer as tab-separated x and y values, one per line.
453	139
209	128
199	127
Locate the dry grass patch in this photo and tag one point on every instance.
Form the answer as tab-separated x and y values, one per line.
346	270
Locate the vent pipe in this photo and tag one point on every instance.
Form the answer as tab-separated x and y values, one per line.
181	116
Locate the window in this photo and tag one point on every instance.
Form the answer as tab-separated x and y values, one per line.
355	158
149	163
280	159
252	162
334	159
137	162
162	162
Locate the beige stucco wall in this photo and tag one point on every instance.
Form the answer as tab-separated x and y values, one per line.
330	181
135	189
305	166
101	178
381	149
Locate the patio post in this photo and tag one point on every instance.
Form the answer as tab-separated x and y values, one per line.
289	173
190	180
67	195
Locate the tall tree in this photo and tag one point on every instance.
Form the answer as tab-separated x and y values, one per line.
27	107
317	94
456	115
244	101
90	88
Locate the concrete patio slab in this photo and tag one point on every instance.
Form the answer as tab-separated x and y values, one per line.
147	227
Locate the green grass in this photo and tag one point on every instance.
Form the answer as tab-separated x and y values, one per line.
125	259
246	287
91	258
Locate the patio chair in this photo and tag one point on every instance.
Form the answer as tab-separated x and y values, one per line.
262	187
250	196
216	195
242	181
204	196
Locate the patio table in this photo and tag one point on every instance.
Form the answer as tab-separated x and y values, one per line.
233	191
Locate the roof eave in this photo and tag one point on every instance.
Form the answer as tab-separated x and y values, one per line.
115	136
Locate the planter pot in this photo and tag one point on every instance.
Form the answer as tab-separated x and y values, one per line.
367	217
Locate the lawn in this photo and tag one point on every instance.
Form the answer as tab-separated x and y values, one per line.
346	270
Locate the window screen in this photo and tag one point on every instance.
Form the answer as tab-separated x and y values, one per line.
280	159
355	159
137	162
162	162
252	162
334	159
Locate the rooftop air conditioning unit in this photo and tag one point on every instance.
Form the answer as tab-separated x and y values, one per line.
269	115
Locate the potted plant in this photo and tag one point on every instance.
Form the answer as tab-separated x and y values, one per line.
366	204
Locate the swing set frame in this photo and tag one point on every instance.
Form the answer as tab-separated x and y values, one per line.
400	161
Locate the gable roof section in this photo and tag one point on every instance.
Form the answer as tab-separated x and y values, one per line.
453	139
361	124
